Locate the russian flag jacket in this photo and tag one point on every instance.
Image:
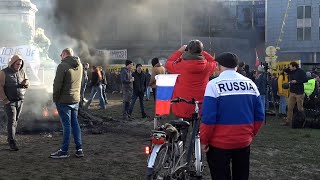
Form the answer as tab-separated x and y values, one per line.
232	111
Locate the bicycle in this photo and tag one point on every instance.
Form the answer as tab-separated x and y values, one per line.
166	158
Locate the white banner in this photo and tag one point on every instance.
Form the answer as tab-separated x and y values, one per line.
114	54
30	55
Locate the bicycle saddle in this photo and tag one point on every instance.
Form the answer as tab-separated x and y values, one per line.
180	124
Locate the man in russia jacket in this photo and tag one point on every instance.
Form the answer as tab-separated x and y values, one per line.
232	114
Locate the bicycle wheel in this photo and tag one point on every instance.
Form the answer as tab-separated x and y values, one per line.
161	168
198	157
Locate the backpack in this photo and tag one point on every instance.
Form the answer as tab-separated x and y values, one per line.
299	118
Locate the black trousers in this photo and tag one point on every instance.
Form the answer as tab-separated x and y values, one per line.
219	163
154	91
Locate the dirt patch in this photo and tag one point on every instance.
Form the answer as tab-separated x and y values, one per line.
115	150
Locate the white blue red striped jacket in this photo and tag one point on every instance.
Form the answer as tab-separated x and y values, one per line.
232	111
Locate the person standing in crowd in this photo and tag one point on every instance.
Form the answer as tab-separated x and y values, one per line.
139	87
296	79
261	82
148	77
66	95
241	69
96	88
13	85
310	87
84	83
127	88
157	69
283	94
232	114
194	66
104	83
247	71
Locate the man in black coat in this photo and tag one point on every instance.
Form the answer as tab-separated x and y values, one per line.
296	79
139	87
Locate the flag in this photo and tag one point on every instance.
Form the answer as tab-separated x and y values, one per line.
257	58
165	85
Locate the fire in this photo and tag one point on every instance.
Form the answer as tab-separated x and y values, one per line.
45	112
55	112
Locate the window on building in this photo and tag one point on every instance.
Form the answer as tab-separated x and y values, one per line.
303	23
300	34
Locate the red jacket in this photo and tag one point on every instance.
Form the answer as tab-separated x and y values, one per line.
194	71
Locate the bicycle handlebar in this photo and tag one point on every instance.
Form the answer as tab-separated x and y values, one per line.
178	100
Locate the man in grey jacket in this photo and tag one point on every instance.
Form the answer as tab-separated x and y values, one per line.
127	88
13	85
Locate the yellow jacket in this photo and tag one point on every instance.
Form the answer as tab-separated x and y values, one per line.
281	91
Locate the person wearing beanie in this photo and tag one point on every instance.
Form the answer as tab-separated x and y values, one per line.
127	88
157	69
232	114
194	66
13	85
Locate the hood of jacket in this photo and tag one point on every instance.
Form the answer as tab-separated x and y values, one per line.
73	61
14	59
188	56
158	65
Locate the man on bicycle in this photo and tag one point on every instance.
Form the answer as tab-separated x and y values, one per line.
232	115
195	67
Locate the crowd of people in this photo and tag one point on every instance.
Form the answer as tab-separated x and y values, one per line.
235	102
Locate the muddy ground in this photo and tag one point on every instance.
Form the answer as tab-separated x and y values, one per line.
114	150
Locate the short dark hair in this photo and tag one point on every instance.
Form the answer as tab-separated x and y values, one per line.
294	64
154	61
195	47
138	65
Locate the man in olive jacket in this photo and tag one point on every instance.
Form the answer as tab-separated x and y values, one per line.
13	85
66	95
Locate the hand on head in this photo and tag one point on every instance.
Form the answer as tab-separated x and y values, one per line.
183	48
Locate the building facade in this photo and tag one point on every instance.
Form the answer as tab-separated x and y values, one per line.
300	37
150	29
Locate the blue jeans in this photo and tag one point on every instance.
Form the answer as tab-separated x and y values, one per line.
82	92
96	90
136	95
283	105
148	92
69	119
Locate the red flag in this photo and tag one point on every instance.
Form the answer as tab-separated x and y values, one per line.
257	58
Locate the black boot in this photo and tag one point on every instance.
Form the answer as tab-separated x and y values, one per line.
144	115
13	145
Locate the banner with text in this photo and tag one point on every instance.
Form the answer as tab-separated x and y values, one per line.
281	65
113	54
30	55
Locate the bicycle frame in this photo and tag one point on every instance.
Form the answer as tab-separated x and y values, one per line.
194	146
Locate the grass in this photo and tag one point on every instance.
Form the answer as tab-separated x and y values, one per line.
277	153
